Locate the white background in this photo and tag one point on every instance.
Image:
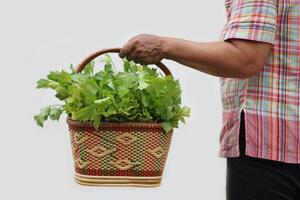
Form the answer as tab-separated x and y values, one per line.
39	36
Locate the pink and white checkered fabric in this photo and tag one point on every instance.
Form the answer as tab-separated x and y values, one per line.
271	99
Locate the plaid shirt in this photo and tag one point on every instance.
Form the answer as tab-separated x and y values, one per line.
271	99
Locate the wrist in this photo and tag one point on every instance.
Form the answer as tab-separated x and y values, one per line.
165	47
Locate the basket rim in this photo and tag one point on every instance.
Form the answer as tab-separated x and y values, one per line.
133	124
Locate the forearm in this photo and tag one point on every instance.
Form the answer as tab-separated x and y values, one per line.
235	58
220	59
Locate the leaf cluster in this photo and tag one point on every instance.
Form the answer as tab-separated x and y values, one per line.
138	93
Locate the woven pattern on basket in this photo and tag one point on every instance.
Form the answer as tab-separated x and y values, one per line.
119	149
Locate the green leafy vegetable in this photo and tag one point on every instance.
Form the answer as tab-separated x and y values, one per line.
51	112
138	93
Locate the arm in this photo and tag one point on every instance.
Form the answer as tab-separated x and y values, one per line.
233	59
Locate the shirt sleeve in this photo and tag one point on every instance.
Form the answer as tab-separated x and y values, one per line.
252	20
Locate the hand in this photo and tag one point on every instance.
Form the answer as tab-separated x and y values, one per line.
144	49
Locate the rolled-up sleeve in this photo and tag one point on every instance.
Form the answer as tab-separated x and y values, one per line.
252	20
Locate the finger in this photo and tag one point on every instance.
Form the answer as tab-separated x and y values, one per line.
140	58
148	61
126	49
132	55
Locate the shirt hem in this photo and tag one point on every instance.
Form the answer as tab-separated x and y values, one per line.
289	159
250	34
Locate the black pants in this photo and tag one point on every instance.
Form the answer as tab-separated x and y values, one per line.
251	178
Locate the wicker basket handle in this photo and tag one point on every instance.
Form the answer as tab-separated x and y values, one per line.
91	57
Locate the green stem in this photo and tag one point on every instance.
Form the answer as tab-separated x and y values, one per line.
113	64
59	105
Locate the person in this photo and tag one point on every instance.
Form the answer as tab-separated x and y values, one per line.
258	62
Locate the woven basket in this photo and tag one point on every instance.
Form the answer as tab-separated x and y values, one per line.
119	153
